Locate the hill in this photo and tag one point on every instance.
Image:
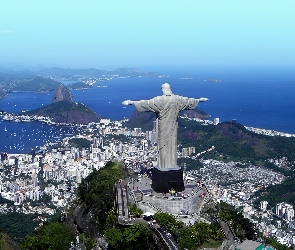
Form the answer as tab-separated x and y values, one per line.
64	110
6	243
92	72
34	84
144	120
2	93
232	141
62	93
67	112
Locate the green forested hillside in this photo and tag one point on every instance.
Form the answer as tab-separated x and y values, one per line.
232	141
6	243
35	84
18	225
67	112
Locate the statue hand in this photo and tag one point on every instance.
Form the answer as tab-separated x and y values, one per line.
127	102
203	99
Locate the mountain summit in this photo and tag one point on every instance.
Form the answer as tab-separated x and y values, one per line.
64	110
62	93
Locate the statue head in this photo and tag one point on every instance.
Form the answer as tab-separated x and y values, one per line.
166	89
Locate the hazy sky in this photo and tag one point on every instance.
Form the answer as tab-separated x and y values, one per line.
125	33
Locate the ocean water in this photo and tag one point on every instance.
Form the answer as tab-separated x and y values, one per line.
262	98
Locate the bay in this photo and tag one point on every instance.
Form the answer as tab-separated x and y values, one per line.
261	98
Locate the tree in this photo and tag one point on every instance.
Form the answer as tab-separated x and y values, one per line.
198	234
273	242
18	225
80	143
135	210
242	226
114	238
168	221
111	220
134	237
54	235
185	238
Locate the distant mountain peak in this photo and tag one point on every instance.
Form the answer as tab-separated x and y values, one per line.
62	93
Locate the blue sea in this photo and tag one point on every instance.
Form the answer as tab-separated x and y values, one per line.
257	97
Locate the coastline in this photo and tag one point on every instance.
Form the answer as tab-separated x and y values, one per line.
16	139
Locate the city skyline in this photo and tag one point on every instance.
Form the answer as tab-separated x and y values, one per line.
131	33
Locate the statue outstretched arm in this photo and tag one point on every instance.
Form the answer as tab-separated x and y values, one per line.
143	105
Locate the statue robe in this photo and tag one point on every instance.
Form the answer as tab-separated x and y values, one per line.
167	108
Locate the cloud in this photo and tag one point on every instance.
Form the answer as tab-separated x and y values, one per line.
6	31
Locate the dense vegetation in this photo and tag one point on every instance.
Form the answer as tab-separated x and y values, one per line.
18	225
273	242
135	237
193	236
59	108
67	112
80	143
6	243
200	234
244	229
188	237
232	141
96	192
284	192
54	235
133	210
35	84
189	163
79	85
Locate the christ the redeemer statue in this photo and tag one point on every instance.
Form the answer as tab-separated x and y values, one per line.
166	107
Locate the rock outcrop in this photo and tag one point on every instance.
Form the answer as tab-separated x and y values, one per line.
67	112
64	110
62	93
83	219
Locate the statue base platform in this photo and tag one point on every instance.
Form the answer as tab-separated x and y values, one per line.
163	181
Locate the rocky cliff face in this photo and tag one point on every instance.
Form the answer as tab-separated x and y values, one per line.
62	93
83	220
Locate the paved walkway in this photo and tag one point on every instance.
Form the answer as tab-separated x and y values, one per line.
145	198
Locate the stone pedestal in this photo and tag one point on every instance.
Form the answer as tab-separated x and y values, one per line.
163	181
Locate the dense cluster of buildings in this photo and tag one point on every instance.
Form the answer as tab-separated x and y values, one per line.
236	183
269	132
285	210
46	181
56	172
